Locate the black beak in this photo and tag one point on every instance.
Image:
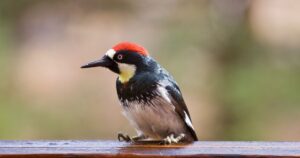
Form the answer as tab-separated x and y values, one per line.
104	62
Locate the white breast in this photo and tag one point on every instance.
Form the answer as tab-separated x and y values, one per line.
156	119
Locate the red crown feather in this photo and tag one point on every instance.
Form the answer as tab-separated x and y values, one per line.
131	47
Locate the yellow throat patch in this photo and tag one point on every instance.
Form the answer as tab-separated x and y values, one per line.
126	72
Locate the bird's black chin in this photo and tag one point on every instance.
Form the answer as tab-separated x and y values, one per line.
105	61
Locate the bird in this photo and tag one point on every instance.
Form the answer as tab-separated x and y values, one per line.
150	97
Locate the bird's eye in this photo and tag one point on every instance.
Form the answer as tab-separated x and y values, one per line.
120	57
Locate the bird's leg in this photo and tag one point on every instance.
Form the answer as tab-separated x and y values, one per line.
127	138
172	140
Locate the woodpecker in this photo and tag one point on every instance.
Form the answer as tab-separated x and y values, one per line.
150	97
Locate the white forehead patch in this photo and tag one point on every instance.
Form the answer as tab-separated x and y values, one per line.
110	53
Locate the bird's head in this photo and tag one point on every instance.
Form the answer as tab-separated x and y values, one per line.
124	59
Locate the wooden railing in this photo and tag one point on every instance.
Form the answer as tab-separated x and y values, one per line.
99	148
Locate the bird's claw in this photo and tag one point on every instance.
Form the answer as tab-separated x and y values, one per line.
125	137
172	140
122	137
168	140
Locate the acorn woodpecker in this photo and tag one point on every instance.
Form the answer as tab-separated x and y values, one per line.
150	97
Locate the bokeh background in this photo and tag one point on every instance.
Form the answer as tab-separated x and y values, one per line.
237	63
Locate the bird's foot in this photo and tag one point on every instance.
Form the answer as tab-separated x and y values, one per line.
125	137
172	140
138	138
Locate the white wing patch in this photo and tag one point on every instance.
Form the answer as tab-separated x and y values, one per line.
110	53
164	93
188	120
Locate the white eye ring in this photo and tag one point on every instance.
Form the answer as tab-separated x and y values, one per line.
120	57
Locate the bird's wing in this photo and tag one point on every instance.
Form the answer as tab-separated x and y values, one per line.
179	104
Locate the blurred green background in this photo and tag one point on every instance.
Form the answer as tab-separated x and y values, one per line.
237	63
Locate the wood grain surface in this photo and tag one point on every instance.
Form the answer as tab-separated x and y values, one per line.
100	148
